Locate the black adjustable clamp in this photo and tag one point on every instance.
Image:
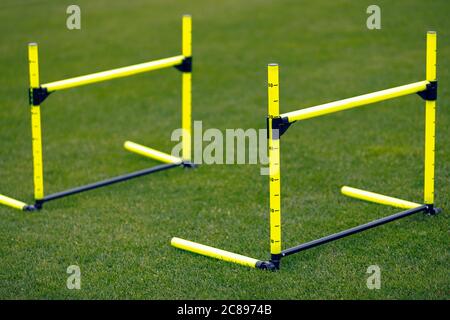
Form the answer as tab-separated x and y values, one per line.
279	127
186	65
37	95
430	93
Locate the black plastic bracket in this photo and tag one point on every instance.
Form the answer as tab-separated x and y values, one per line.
430	93
279	127
275	259
266	265
33	207
432	210
188	164
186	65
30	207
37	95
38	204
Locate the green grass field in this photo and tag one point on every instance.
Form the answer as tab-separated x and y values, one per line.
119	236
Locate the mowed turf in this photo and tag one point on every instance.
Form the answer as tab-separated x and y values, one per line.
119	236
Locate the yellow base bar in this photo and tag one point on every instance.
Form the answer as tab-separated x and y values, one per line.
378	198
213	252
13	203
151	153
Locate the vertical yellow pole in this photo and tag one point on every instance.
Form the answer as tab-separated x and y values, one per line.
274	165
36	124
187	89
430	122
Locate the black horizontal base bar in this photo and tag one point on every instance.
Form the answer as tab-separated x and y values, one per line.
107	182
348	232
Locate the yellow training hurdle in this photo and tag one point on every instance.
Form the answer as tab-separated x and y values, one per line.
279	123
39	92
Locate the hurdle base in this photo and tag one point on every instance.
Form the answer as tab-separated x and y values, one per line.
378	198
220	254
156	154
26	207
274	263
386	200
15	204
357	229
40	202
150	152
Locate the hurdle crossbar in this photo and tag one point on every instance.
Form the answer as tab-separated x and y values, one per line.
277	124
39	92
113	74
354	102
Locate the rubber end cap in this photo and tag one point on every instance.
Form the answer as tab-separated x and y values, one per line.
188	164
266	265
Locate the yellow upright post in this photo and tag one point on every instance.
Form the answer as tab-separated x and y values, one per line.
274	165
187	88
430	122
36	123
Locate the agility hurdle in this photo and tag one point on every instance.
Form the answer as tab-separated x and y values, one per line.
278	124
39	92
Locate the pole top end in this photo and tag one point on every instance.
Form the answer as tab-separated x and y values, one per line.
187	16
273	64
32	44
431	32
